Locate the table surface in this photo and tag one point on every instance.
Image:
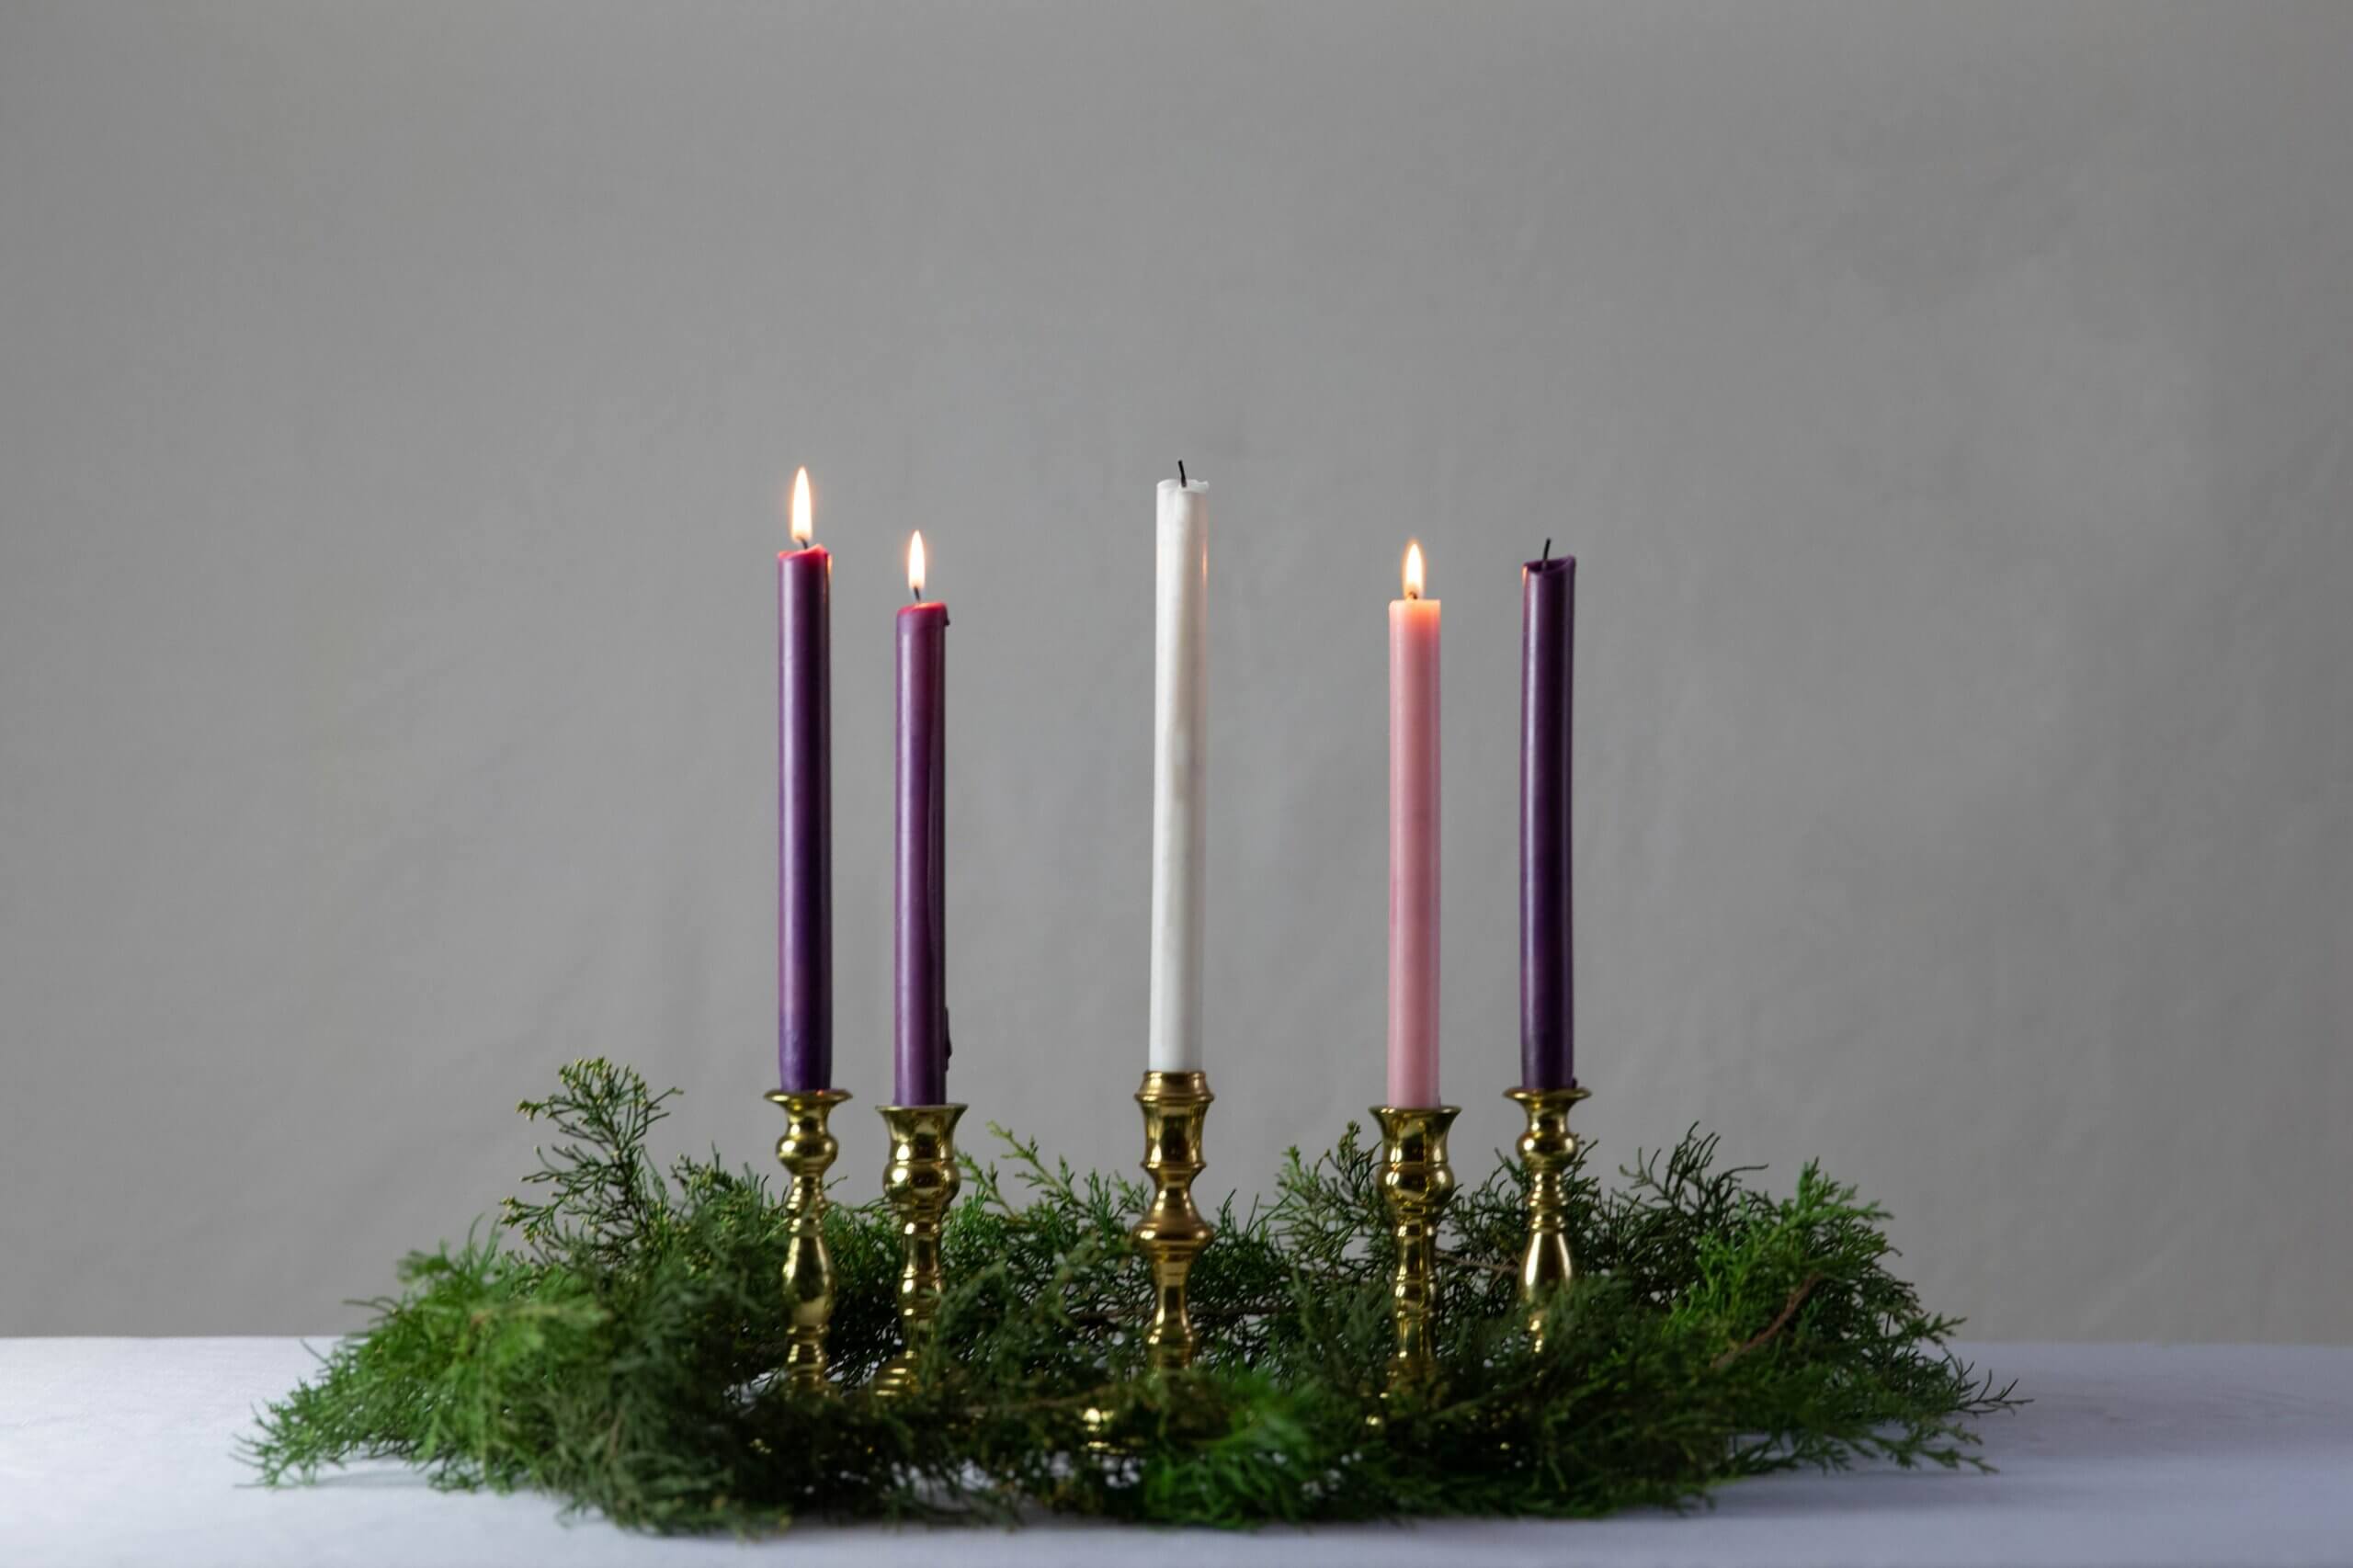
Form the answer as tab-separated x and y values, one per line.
119	1451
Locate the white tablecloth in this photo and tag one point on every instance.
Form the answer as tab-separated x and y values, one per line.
119	1452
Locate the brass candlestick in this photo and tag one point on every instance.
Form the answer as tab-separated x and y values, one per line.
1546	1148
1172	1232
920	1183
1416	1183
807	1150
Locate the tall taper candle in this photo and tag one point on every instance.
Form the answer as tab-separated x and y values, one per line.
1548	609
1179	742
919	924
804	875
1412	842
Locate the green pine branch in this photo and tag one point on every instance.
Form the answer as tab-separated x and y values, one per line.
615	1348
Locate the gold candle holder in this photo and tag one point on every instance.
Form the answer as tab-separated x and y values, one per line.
807	1150
1416	1183
920	1184
1546	1148
1172	1233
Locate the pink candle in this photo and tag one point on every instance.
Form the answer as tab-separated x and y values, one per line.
1413	843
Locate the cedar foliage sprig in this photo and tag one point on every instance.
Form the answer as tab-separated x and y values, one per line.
616	1348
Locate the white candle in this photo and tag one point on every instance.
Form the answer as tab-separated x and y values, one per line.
1179	746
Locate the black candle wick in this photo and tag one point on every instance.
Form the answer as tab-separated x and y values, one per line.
1545	559
1181	480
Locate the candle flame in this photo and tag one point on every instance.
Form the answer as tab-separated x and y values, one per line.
915	564
1413	569
802	531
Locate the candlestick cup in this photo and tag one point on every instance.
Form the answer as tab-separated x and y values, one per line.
920	1184
1416	1183
1172	1233
1547	1148
807	1151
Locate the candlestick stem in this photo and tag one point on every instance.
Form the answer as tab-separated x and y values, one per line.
1416	1183
807	1151
1547	1148
1172	1233
920	1184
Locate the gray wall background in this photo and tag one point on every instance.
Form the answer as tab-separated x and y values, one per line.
1949	407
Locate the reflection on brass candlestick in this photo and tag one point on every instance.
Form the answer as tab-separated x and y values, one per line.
920	1184
1416	1183
1172	1232
807	1151
1546	1148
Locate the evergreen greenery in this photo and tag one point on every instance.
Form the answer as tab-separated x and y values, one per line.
616	1349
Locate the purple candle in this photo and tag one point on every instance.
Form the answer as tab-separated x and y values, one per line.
804	825
919	925
1547	612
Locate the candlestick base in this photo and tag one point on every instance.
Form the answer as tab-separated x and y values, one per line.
1416	1183
1172	1233
807	1151
920	1184
1546	1149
